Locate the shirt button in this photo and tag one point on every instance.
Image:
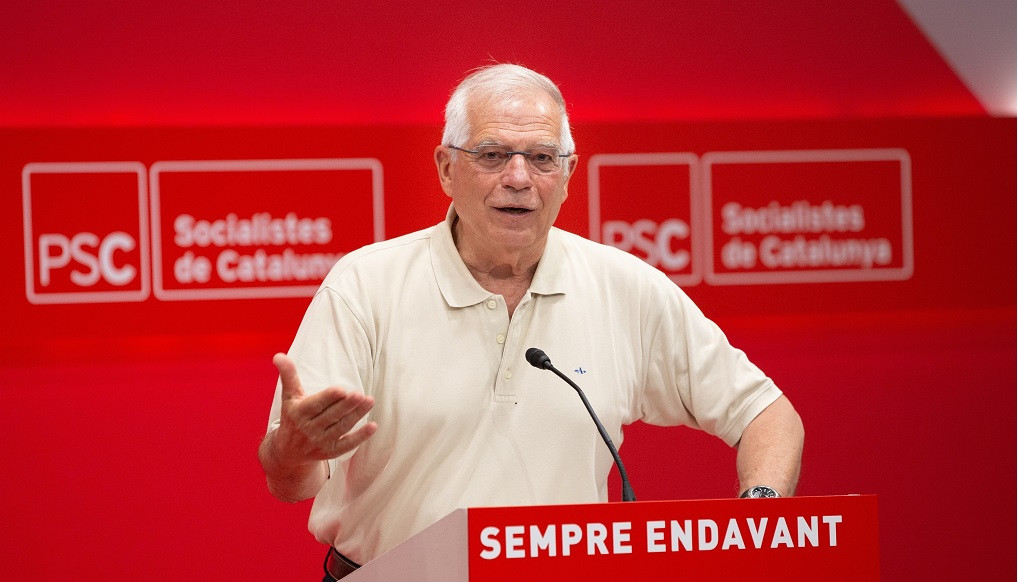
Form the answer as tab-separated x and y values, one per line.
492	304
508	374
500	339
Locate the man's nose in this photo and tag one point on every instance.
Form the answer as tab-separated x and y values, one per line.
517	171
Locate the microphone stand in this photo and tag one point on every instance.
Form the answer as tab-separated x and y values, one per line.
540	360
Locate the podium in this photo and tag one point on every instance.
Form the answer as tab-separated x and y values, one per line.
795	538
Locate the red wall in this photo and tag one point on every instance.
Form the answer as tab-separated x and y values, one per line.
131	427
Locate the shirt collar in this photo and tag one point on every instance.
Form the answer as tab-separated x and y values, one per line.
459	287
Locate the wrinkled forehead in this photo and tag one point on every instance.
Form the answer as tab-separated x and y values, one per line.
526	113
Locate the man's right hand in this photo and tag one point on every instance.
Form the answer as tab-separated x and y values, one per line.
312	429
318	427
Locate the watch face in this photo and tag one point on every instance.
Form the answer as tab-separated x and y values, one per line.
760	492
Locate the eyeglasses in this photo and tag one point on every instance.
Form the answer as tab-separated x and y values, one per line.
495	158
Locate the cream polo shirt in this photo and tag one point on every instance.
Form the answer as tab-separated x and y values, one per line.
463	419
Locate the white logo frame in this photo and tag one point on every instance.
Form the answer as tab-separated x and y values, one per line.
598	161
274	165
62	297
821	275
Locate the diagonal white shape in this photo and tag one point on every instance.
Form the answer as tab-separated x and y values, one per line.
977	39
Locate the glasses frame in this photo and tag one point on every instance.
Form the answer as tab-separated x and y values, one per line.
509	157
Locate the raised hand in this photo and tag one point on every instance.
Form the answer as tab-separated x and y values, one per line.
312	429
318	427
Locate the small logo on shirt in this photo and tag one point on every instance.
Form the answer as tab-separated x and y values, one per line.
580	370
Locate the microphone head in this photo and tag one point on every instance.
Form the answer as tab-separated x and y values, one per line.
538	359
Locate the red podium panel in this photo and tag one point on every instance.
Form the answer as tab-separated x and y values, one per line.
812	538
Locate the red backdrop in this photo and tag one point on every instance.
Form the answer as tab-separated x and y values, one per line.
131	427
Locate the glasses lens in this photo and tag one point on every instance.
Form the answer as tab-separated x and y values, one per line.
544	160
491	158
495	158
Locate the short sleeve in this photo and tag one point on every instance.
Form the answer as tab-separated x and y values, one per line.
695	377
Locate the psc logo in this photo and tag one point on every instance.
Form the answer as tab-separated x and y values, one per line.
644	204
661	245
85	232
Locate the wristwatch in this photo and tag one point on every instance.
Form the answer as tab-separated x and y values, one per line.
759	492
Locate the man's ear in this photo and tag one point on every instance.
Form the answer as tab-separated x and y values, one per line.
443	162
571	163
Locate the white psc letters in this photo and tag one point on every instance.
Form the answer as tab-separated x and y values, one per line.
553	540
87	249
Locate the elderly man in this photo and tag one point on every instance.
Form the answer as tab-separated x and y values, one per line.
406	395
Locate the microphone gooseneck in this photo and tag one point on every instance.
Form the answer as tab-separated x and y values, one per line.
540	360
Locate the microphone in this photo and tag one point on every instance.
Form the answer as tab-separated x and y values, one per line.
541	361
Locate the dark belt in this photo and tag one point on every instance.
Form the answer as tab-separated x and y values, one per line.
338	565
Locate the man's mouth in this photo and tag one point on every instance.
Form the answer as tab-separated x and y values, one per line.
513	209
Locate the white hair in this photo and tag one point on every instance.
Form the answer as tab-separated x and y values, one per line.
500	83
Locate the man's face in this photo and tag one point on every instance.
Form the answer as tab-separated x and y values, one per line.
508	211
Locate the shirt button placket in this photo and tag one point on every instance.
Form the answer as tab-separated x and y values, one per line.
501	321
